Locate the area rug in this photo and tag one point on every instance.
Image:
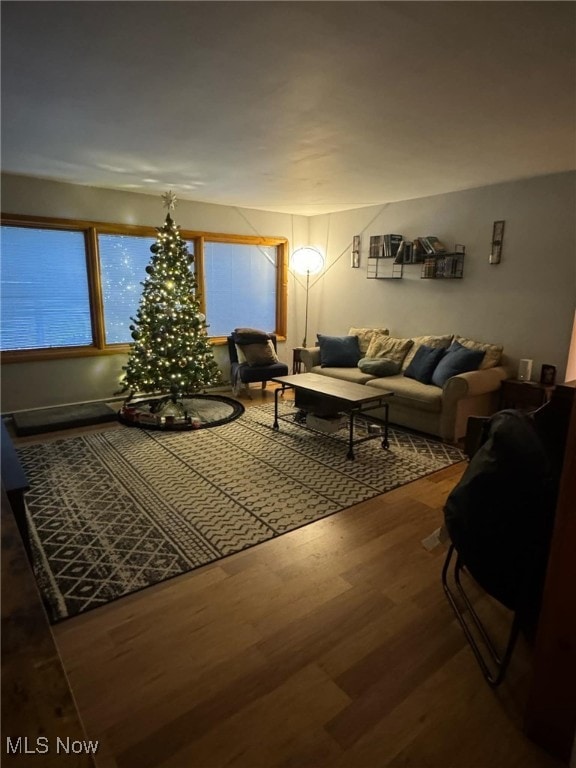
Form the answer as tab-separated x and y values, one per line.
120	510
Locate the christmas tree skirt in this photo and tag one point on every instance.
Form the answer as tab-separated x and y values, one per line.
120	510
63	417
192	412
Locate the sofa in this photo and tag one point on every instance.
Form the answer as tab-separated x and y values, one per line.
434	401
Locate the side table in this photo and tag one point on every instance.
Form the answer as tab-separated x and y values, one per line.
524	395
297	361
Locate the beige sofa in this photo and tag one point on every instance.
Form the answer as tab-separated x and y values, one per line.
440	411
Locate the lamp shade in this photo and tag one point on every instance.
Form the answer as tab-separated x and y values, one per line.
307	261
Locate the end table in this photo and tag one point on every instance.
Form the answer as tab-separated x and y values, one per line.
297	361
524	395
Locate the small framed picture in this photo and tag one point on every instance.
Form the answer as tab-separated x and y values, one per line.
355	255
548	375
497	240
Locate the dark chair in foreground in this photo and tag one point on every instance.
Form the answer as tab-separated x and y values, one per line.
499	518
253	359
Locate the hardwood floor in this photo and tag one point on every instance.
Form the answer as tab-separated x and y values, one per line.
332	646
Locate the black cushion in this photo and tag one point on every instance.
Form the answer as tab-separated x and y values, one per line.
249	374
458	359
339	351
424	363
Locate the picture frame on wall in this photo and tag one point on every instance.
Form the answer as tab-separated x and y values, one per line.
355	255
497	241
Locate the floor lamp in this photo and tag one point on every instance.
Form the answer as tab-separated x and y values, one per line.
307	261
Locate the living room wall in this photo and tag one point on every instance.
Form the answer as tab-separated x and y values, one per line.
58	382
525	303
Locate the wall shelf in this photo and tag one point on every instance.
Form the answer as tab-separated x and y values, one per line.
444	266
381	268
387	261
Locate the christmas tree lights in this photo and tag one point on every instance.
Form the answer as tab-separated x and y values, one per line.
171	354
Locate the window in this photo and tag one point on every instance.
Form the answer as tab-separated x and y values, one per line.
69	288
123	262
44	295
240	286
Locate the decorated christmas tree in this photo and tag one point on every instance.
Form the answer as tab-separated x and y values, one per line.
171	354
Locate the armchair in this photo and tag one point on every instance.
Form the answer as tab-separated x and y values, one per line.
259	364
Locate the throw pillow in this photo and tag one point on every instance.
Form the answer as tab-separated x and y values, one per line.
339	351
492	352
431	341
379	366
424	363
388	346
240	353
457	360
260	354
365	336
249	336
249	331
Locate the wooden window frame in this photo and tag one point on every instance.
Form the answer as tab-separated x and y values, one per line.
91	231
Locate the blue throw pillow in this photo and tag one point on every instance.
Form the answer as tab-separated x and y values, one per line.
424	363
339	351
458	359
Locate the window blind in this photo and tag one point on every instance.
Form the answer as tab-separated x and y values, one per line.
240	287
44	297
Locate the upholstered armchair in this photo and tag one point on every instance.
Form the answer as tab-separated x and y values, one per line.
253	358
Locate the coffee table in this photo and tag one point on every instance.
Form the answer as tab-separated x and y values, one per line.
326	396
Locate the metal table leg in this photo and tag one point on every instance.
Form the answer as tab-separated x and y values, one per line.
385	443
494	666
276	425
350	454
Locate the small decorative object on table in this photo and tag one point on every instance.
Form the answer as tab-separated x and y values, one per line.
548	375
525	370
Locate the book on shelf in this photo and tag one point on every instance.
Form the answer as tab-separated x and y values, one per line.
452	265
384	246
399	258
376	247
429	267
392	244
418	252
432	245
407	248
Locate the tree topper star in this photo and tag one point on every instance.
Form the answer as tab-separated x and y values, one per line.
169	200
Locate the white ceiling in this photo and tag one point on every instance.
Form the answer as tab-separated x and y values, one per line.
303	107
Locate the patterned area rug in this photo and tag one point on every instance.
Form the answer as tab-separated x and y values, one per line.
117	511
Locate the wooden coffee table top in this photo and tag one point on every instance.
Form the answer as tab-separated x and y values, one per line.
331	387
